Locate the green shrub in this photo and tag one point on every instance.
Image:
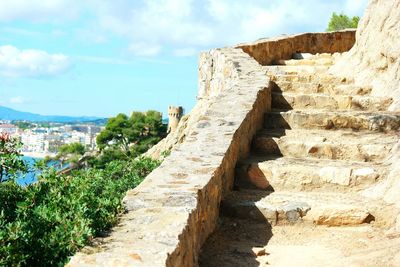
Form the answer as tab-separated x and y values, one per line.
46	222
341	22
11	163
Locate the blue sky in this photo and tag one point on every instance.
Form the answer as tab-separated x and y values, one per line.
100	58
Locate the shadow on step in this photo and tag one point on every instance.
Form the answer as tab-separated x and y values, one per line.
239	240
275	120
248	174
265	143
278	100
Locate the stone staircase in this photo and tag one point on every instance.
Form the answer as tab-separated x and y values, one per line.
324	141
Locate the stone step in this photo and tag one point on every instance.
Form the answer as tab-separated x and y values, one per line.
312	61
295	70
287	100
332	209
318	87
305	174
323	119
322	78
341	144
312	56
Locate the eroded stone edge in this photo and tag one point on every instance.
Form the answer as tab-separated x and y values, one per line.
185	191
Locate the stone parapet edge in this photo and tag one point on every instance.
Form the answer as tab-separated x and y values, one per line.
171	214
268	51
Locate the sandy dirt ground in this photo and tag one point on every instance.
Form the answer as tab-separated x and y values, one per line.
239	242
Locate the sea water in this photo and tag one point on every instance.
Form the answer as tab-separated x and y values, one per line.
29	177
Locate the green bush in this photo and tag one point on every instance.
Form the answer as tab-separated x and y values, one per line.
11	163
341	22
46	222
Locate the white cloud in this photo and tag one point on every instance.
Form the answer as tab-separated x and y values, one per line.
91	34
144	49
20	31
156	26
153	26
17	100
31	63
353	7
185	52
58	33
104	60
36	10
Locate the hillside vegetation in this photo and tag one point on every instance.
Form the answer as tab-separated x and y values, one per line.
44	223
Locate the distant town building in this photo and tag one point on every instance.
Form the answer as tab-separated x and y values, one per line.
33	142
8	128
53	142
50	139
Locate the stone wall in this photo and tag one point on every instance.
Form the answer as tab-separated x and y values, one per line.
170	215
269	51
215	71
375	58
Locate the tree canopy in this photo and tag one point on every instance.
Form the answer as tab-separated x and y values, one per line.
73	148
340	22
132	135
70	153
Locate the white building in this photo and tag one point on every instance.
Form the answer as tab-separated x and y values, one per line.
8	128
33	142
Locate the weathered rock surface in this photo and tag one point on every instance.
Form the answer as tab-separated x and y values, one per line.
170	215
375	58
389	188
321	119
217	74
307	173
321	152
333	209
330	156
323	101
273	50
340	144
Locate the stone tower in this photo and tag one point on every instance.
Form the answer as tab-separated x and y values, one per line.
174	116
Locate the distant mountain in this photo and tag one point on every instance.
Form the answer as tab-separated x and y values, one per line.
12	114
